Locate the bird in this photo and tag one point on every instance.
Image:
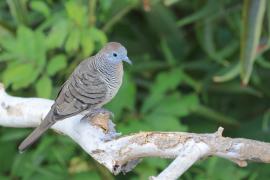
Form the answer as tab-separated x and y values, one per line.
93	83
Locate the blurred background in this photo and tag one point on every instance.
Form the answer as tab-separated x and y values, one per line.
198	65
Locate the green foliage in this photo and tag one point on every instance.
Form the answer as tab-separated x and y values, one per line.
56	64
44	87
185	76
40	7
26	55
252	23
213	169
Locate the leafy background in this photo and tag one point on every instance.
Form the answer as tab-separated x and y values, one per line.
197	65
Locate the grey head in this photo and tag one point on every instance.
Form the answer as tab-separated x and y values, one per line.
114	53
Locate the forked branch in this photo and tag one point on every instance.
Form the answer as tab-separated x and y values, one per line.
97	136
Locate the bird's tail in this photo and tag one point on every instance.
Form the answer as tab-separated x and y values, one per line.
41	129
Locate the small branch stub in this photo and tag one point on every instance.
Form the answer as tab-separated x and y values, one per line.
220	131
101	120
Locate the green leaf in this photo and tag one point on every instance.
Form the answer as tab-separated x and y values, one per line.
223	170
99	36
40	7
261	61
56	64
252	22
39	49
25	44
2	177
134	126
13	135
162	22
205	11
42	149
187	79
165	114
120	9
57	35
29	46
157	162
5	56
236	88
19	165
144	171
8	43
165	81
176	105
18	10
230	73
167	52
73	41
86	176
207	41
214	115
44	87
162	122
52	171
79	16
7	156
19	75
87	43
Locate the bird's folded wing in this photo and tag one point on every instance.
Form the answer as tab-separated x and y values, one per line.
84	89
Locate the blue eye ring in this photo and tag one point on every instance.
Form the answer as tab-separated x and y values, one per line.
114	55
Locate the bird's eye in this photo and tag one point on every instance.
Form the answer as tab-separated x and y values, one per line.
114	54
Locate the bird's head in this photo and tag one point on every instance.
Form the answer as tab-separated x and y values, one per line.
115	53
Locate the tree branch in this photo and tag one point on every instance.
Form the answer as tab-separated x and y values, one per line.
99	139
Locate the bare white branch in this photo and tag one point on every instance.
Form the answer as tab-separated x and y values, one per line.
188	155
99	139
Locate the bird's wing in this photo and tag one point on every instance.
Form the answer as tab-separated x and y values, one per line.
84	89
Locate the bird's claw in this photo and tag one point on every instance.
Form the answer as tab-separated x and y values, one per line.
100	111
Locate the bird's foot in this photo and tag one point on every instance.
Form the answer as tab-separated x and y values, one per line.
98	111
100	118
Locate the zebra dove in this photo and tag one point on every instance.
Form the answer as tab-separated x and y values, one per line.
92	84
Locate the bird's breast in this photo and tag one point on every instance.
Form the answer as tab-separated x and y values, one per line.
114	82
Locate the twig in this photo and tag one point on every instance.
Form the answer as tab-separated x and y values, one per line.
117	17
92	12
186	158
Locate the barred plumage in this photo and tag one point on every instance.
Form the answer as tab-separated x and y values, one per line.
93	83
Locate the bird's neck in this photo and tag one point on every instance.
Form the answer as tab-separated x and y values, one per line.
108	69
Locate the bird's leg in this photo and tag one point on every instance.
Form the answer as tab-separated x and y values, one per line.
101	117
94	112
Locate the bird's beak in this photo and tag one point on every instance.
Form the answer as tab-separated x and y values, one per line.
127	60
